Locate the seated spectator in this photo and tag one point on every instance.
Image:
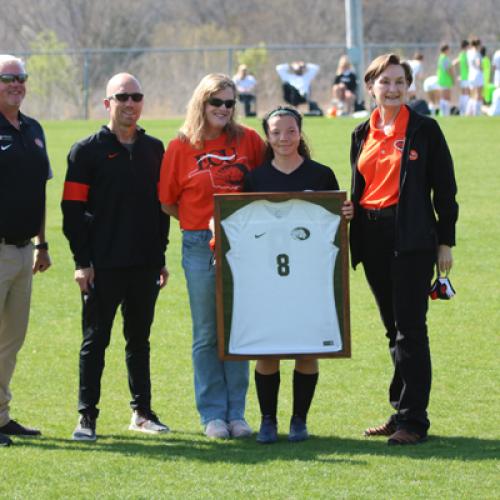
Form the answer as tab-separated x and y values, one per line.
245	85
297	77
344	87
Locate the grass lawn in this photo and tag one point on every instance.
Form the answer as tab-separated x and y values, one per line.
461	459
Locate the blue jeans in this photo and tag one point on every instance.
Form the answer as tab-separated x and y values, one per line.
220	386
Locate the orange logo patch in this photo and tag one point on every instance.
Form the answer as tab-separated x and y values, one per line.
113	155
399	144
413	155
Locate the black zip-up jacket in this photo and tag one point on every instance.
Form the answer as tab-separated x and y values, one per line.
427	189
111	213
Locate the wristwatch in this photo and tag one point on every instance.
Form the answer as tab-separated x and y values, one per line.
42	246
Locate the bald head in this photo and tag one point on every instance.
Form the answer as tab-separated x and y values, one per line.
122	82
124	103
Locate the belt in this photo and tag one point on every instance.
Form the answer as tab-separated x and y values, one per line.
380	213
17	243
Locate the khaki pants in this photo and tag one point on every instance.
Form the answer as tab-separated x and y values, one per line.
15	293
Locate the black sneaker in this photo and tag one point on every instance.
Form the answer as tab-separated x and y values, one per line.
13	428
85	429
4	440
298	429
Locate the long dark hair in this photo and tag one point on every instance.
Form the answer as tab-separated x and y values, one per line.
303	148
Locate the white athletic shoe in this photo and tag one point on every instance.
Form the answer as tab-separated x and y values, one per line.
217	429
148	422
239	429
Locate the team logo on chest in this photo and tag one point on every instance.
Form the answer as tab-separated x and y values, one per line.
224	166
39	143
300	233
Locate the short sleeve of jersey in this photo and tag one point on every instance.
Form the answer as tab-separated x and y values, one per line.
256	149
233	225
50	174
169	190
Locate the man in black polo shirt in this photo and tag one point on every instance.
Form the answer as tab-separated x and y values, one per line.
24	170
118	235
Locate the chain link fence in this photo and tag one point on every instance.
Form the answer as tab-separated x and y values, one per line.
71	84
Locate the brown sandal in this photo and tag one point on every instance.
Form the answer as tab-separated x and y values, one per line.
387	429
404	437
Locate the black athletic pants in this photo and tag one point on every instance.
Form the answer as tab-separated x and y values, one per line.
401	285
136	290
292	96
247	100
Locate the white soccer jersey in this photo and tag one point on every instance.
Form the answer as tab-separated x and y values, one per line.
282	260
475	72
416	69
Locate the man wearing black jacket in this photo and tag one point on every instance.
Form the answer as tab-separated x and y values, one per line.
118	236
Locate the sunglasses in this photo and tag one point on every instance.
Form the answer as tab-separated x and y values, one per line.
10	77
215	101
123	97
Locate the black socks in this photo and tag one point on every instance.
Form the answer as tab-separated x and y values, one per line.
268	386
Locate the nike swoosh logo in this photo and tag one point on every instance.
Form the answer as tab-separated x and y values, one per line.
259	235
5	147
113	155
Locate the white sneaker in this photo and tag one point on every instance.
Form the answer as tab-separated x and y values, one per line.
85	429
148	422
239	429
217	429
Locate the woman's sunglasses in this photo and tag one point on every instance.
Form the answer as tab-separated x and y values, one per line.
11	78
216	102
123	97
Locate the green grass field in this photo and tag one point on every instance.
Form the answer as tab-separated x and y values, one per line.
461	459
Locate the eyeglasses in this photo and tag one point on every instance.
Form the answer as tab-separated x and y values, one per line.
215	101
10	77
124	97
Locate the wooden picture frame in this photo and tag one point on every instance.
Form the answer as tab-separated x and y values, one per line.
236	217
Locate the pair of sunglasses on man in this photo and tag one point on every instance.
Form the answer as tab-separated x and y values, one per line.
11	77
124	97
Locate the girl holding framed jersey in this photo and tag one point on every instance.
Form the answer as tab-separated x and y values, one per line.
211	154
288	167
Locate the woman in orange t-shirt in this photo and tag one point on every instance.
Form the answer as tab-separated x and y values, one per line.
403	190
211	154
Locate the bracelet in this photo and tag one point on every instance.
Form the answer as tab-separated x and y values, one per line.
42	246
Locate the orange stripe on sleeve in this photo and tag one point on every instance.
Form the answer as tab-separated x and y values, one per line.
75	191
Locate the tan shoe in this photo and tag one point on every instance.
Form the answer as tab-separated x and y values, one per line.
386	429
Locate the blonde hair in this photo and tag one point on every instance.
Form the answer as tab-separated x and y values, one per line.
343	61
193	129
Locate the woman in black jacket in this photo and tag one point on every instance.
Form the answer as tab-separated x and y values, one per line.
403	189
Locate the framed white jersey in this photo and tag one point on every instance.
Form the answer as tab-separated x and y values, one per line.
282	282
